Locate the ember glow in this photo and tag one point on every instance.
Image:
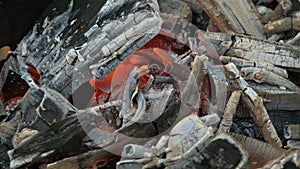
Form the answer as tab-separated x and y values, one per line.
34	74
156	52
153	84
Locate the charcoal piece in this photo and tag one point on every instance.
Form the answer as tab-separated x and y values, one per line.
47	146
276	100
242	63
260	75
229	112
171	114
211	120
291	160
186	133
176	8
280	99
43	107
220	152
63	27
234	16
63	137
223	153
158	104
219	88
260	153
254	49
177	28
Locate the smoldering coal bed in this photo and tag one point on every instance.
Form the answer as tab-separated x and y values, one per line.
147	84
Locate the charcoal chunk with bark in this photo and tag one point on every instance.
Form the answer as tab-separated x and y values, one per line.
255	49
280	99
260	153
64	43
234	16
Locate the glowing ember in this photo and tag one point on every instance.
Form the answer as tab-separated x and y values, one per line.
149	55
34	74
116	80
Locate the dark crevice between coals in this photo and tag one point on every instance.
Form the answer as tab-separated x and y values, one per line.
17	17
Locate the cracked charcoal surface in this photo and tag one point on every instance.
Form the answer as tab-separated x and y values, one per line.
69	36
